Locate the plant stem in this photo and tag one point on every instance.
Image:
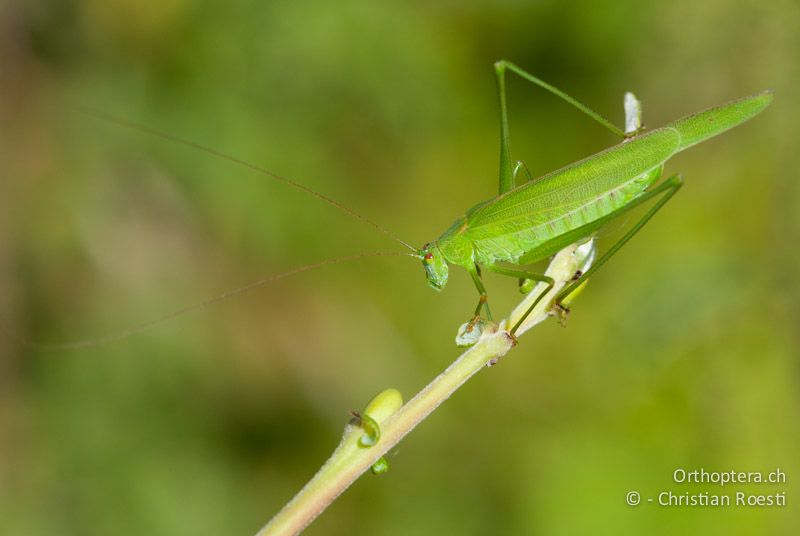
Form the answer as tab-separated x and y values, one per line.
351	459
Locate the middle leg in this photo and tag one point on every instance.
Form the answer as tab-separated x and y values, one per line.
483	301
522	274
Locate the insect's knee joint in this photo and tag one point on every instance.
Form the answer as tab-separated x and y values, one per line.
526	285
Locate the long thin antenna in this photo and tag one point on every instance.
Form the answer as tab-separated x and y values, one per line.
213	152
144	326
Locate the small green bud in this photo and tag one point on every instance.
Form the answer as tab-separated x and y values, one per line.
380	467
381	407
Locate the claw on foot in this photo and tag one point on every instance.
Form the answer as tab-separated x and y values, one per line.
512	337
562	312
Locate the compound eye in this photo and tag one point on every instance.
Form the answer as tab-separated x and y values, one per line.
428	257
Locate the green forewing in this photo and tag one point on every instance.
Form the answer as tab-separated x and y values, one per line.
701	126
524	218
551	195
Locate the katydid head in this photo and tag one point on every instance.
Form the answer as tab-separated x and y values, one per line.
436	269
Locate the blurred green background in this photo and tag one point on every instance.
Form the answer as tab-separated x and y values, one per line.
682	353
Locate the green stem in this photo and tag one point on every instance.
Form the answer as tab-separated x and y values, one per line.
351	459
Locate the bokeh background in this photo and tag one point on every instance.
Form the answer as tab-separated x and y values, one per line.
682	353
